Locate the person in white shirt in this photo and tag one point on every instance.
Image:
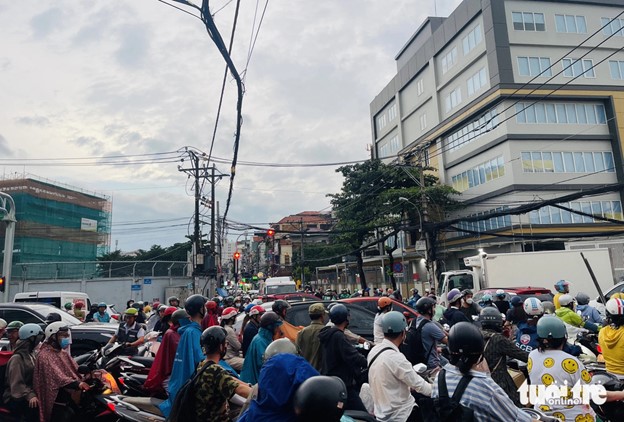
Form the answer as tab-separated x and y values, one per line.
384	305
392	377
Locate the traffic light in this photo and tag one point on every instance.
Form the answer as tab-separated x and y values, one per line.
270	232
237	255
2	283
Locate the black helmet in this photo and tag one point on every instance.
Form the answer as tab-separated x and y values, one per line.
137	306
490	316
52	317
173	298
425	305
194	304
320	398
465	339
178	315
279	306
338	313
212	338
269	320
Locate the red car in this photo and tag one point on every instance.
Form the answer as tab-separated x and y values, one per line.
541	293
370	303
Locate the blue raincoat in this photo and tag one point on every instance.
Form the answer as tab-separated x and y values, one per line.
187	357
279	379
253	358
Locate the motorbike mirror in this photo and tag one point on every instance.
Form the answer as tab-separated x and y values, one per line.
83	369
420	368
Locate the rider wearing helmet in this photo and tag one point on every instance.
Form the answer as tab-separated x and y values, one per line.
516	314
189	353
341	358
497	349
611	337
251	328
19	395
415	297
562	287
232	356
269	325
320	398
501	302
12	331
130	333
214	385
308	339
78	311
589	313
430	336
102	315
526	334
486	300
155	317
453	315
212	315
160	371
173	301
486	399
549	364
468	305
393	375
280	307
384	305
56	375
567	314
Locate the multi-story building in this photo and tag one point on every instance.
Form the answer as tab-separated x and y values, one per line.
513	102
56	224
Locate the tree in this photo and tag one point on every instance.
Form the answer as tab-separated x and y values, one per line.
368	206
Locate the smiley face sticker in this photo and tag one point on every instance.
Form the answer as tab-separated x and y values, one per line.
586	376
559	415
547	379
529	364
549	362
570	366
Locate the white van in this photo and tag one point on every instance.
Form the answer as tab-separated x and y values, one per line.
278	286
58	299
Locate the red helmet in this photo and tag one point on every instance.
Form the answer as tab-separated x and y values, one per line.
169	311
228	313
256	310
211	305
155	305
79	304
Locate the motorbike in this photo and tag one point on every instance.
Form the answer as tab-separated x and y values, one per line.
611	411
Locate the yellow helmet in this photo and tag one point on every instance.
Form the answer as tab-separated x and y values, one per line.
618	295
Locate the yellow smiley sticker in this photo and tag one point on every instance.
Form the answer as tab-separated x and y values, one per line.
549	362
544	408
586	376
547	379
529	364
559	415
570	366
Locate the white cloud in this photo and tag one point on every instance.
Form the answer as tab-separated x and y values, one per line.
96	79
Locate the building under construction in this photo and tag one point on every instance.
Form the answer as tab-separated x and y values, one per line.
56	224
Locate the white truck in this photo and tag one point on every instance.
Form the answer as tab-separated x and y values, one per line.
534	269
277	286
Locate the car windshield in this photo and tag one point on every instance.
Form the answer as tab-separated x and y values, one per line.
45	310
276	290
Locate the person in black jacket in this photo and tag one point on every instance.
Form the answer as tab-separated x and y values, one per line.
341	358
453	315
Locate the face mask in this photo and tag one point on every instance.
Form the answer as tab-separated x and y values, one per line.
64	343
469	301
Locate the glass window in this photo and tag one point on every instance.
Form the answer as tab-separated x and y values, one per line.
604	23
576	206
581	25
589	162
547	159
607	209
488	171
529	24
588	66
577	67
617	210
601	117
534	217
540	113
591	114
501	166
566	216
545	65
558	162
538	166
530	113
596	209
520	113
539	22
579	164
568	70
614	67
517	21
534	65
571	112
527	163
580	113
560	23
544	215
568	159
561	113
570	23
608	161
555	215
482	173
551	114
587	209
599	161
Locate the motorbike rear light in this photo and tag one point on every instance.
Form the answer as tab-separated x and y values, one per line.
599	349
111	406
115	317
122	381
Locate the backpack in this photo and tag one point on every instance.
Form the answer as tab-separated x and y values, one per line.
183	408
448	409
413	347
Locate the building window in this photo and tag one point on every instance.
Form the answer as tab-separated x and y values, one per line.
479	175
395	145
471	40
567	162
553	215
534	66
477	81
577	67
453	99
286	259
612	26
493	223
420	87
562	113
384	151
617	69
382	121
423	121
528	21
392	112
472	130
571	24
449	60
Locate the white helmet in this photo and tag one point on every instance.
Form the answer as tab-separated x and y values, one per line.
565	300
55	327
228	313
3	324
500	292
615	307
533	306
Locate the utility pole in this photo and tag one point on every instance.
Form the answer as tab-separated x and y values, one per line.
429	255
7	214
302	270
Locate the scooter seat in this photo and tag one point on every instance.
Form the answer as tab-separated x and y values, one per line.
145	360
147	404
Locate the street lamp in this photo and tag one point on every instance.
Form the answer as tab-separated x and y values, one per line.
403	199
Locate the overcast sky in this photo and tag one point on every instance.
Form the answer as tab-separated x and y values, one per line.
120	78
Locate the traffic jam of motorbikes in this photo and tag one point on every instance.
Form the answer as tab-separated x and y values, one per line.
492	355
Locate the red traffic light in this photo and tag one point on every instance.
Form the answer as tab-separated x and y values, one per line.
270	232
2	283
236	255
